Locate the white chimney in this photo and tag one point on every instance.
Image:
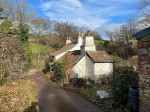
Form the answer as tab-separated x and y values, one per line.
80	38
89	44
68	41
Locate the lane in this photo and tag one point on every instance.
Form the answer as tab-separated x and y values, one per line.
55	99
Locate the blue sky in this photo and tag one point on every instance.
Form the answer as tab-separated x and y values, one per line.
93	14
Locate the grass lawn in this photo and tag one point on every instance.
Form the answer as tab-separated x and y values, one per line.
18	96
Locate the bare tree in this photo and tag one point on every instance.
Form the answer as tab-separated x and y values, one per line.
110	35
66	29
96	35
17	10
145	11
126	33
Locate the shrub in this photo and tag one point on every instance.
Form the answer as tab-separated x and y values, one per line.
124	78
80	82
27	56
47	66
90	83
119	62
44	71
59	72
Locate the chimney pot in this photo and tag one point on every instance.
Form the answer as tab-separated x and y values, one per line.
88	33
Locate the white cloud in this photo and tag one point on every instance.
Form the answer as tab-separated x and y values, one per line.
111	1
61	4
93	14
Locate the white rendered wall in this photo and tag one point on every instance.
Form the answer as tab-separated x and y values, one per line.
90	48
101	69
79	68
90	68
85	68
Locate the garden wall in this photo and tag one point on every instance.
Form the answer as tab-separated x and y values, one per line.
144	73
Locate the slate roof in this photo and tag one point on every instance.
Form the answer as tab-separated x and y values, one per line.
142	33
63	49
99	56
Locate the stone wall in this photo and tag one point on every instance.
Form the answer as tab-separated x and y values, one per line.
144	73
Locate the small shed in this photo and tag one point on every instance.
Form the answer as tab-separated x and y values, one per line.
143	38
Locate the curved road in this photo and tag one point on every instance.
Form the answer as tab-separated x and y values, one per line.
55	99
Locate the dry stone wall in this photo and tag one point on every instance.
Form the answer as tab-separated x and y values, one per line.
144	73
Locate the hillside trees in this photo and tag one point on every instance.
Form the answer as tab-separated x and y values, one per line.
110	35
55	33
66	29
121	40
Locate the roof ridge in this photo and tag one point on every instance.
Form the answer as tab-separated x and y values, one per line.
63	49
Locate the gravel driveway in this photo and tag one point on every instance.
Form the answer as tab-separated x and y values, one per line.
55	99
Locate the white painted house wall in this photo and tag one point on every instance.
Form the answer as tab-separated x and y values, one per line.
86	68
90	68
101	69
80	68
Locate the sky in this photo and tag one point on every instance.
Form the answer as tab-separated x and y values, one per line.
97	15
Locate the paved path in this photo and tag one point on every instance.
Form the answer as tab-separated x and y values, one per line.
55	99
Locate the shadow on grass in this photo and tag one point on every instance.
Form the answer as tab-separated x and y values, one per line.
33	108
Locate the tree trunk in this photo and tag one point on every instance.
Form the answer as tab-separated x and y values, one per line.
38	54
128	47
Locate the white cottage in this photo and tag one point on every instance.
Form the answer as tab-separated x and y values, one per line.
84	59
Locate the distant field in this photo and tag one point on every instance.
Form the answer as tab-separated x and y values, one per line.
44	53
18	96
43	48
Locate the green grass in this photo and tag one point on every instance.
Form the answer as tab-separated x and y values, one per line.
99	44
44	53
34	48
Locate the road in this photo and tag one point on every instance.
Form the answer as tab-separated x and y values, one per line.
55	99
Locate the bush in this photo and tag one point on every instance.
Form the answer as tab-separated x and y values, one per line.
90	83
119	62
59	72
80	82
27	56
47	66
124	78
44	71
